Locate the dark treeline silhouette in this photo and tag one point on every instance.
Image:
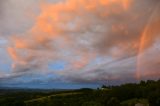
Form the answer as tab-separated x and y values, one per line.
145	92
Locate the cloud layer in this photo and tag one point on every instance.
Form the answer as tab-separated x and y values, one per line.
98	40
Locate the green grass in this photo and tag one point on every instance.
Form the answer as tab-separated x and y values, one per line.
50	96
132	102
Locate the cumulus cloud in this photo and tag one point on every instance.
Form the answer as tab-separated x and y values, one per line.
99	40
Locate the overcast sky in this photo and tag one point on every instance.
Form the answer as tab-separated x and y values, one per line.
78	43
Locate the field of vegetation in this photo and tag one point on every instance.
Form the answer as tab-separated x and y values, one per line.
146	93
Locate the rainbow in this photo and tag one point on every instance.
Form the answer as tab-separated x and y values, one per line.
145	40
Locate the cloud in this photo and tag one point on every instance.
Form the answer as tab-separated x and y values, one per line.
16	16
80	31
1	7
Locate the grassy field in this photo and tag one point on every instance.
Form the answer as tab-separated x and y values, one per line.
50	96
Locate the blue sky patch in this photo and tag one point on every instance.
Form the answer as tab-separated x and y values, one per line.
57	66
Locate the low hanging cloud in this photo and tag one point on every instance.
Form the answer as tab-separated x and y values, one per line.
98	39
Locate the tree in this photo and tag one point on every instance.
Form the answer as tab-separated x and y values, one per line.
91	103
113	102
104	86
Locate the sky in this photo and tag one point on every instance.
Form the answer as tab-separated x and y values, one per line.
78	43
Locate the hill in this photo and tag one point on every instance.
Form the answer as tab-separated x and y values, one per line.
145	92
